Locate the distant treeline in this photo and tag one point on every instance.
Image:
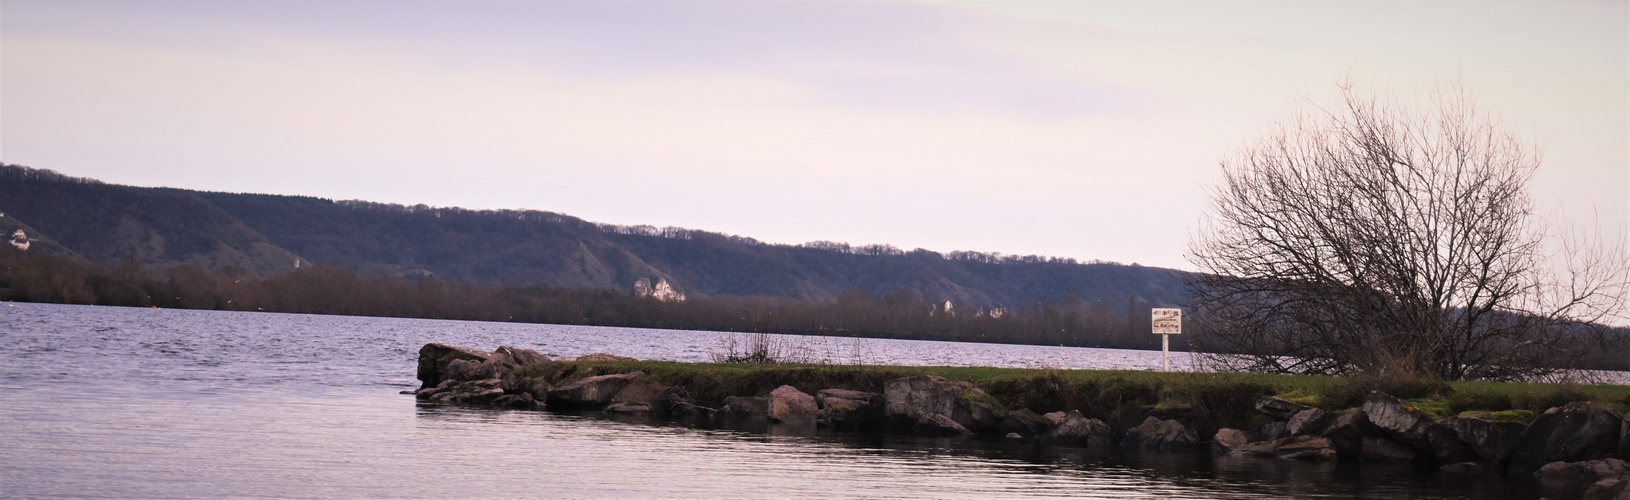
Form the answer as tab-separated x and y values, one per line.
323	289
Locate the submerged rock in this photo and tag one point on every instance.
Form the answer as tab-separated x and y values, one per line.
1226	441
628	409
1579	474
1385	450
1571	433
746	408
939	425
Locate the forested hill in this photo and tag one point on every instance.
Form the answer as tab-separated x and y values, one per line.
266	234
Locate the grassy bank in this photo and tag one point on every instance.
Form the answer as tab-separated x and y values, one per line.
1211	399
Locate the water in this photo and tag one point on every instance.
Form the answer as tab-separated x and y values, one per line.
149	403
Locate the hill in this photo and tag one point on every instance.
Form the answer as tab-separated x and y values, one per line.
267	234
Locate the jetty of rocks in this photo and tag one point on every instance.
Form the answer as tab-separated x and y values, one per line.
1581	446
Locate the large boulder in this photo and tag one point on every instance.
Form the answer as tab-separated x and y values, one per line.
1079	430
1490	439
1447	446
520	356
1347	430
788	405
1402	422
592	392
1161	434
911	399
464	369
1277	408
537	387
434	357
1608	489
846	409
1575	432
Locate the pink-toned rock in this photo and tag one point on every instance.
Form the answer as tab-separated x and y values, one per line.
788	405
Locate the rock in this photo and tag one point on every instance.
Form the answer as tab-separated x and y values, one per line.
1161	434
1014	435
1607	489
1386	450
592	392
825	394
845	409
600	356
464	369
1278	408
1575	432
628	409
433	359
1306	448
1462	468
788	405
1271	431
1055	418
746	408
1138	414
535	386
939	425
1490	439
516	401
1076	429
1309	422
1227	440
1583	472
428	392
916	398
1347	430
1624	437
1402	422
684	409
1447	447
1027	423
467	392
522	357
642	390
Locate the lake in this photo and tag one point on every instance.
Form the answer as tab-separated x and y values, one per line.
158	403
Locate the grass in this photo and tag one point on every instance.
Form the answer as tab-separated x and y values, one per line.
1211	399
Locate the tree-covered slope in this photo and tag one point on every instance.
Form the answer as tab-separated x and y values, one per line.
264	234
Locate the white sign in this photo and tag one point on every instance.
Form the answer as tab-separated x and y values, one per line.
1166	321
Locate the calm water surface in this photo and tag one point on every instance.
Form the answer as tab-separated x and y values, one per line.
124	402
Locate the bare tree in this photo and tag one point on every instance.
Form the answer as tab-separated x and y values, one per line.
1383	238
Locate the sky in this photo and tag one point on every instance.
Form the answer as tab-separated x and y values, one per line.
1088	130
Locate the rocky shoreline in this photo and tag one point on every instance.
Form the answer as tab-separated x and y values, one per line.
1576	449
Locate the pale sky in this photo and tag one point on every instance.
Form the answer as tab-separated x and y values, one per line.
1073	129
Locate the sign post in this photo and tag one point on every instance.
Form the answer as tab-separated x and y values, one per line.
1166	322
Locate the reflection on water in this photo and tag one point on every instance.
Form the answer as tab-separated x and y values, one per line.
112	402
